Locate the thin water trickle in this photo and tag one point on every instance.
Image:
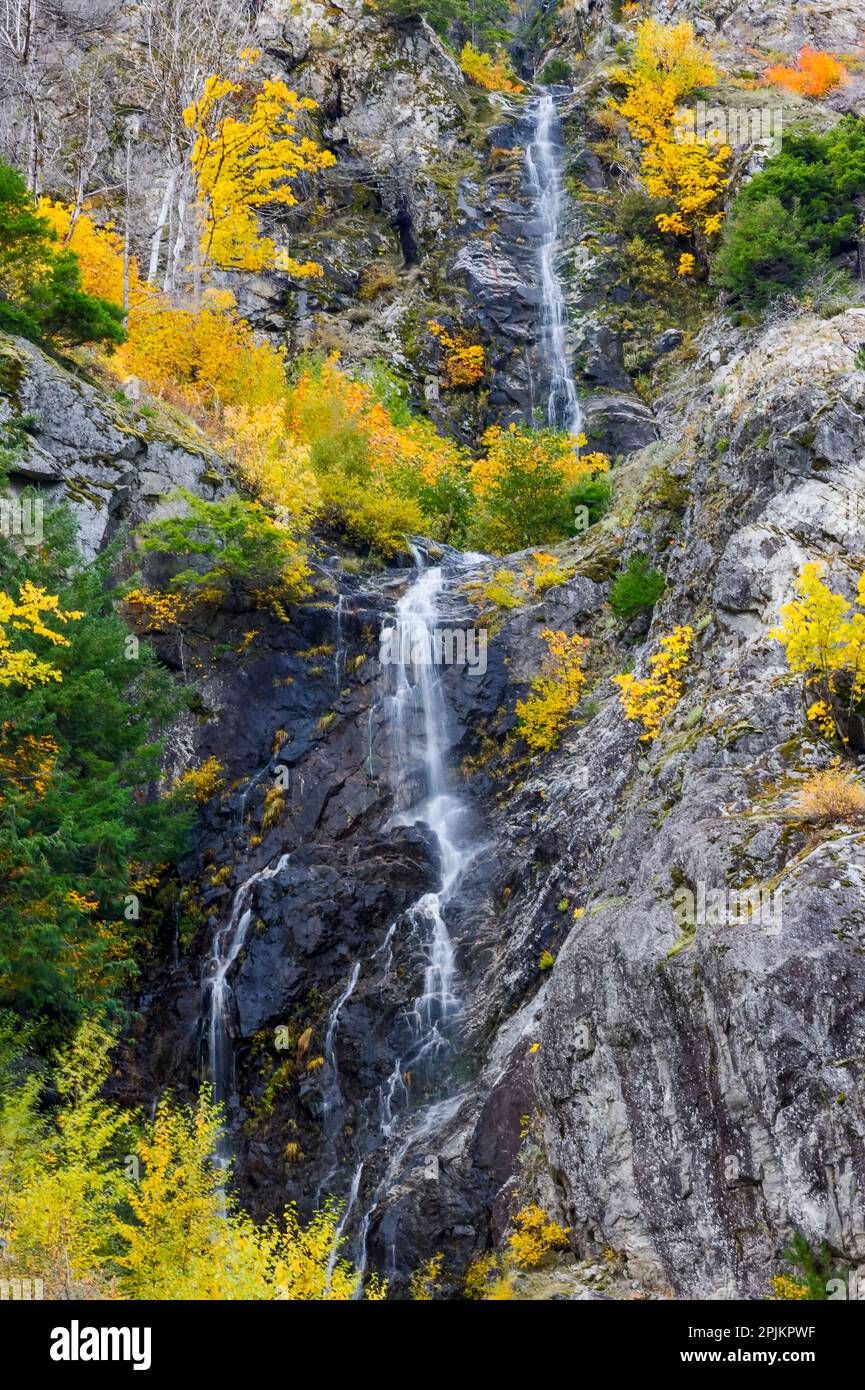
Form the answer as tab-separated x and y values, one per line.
338	645
543	167
228	942
332	1097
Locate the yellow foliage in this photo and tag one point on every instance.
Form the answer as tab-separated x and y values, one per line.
786	1289
668	63
479	1276
555	693
210	361
274	805
825	643
326	403
27	761
535	1236
275	464
533	453
245	157
494	74
60	1180
464	361
182	1242
99	251
156	610
19	665
209	358
426	1282
815	73
829	796
653	699
202	783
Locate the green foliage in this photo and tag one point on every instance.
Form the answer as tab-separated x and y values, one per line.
40	283
556	70
595	494
636	588
238	549
763	253
523	489
78	818
801	209
485	20
814	1269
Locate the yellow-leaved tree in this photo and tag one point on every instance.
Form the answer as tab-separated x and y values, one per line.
245	156
555	693
29	613
824	638
668	63
187	1240
652	700
97	1204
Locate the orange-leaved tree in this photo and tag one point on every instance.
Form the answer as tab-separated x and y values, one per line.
813	75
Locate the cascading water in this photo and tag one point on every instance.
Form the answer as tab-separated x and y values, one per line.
418	724
228	943
415	723
543	158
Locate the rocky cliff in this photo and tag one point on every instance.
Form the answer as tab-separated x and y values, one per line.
680	1099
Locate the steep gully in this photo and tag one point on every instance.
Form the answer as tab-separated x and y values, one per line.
414	739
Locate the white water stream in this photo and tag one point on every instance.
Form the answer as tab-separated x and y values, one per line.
543	166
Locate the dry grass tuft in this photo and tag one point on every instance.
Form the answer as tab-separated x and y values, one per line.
829	796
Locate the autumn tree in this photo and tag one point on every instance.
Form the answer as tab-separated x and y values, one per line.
244	161
823	636
183	43
669	62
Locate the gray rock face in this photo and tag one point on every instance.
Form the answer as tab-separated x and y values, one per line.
833	24
110	463
693	1088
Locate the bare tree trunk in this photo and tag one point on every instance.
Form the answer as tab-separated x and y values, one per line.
128	196
33	149
164	213
174	267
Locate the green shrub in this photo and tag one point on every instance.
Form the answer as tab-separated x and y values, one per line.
234	546
40	283
636	588
763	253
556	70
595	494
798	212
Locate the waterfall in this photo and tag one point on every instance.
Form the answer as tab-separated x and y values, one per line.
413	714
416	721
543	159
228	943
418	724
